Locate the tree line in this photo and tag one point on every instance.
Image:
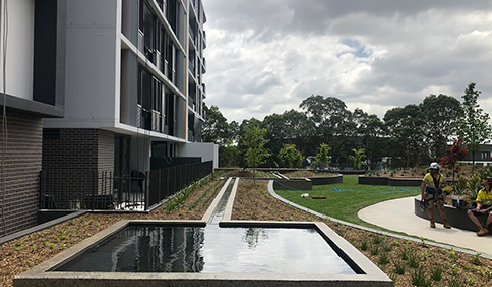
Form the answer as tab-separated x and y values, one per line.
410	136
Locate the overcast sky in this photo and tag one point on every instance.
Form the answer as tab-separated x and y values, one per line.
267	56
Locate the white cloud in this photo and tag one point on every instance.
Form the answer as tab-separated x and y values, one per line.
266	57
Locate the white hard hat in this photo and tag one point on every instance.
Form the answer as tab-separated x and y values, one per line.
434	165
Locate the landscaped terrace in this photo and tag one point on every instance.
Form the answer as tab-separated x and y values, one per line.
406	262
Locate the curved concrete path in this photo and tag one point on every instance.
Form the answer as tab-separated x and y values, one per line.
399	215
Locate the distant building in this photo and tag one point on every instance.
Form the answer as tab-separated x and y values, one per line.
34	88
482	157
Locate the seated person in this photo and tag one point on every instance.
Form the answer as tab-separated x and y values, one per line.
484	206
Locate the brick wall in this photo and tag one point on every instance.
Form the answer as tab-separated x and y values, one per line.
106	150
90	149
70	158
20	181
70	149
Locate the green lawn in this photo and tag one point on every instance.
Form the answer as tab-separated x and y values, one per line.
344	200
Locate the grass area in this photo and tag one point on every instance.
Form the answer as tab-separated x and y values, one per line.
344	200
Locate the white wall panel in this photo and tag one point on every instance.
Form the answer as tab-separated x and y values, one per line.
20	49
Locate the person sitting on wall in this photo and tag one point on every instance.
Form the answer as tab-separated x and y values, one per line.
431	191
484	207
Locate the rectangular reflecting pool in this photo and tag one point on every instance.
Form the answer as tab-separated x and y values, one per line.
212	249
157	253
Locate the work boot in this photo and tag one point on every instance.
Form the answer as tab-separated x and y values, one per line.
483	231
446	224
432	223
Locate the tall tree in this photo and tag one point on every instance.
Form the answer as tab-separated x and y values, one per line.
216	129
331	121
405	126
276	134
373	134
441	114
299	130
368	133
473	126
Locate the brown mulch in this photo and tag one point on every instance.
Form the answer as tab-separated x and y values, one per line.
465	171
253	202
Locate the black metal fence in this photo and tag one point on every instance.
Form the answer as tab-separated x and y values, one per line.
163	183
91	189
166	162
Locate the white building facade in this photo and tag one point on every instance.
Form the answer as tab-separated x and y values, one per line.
133	86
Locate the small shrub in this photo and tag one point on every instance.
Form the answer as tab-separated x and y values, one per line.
363	246
387	248
404	255
399	267
383	259
413	261
377	239
419	279
476	258
374	250
452	254
436	273
393	277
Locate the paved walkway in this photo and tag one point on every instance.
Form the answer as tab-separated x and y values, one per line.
399	215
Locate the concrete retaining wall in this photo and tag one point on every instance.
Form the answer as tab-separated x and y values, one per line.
327	180
395	181
392	181
372	180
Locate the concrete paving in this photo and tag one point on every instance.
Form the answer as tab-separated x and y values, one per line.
399	215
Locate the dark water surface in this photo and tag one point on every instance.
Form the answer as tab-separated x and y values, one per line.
212	250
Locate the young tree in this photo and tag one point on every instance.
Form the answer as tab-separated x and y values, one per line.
290	156
358	158
322	157
256	153
473	126
458	151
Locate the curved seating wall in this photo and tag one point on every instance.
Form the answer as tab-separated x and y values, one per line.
457	217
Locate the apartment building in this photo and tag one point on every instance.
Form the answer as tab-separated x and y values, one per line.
133	86
31	88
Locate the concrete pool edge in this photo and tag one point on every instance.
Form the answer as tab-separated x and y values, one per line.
42	275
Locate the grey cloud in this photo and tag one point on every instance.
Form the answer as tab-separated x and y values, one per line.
390	53
267	18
